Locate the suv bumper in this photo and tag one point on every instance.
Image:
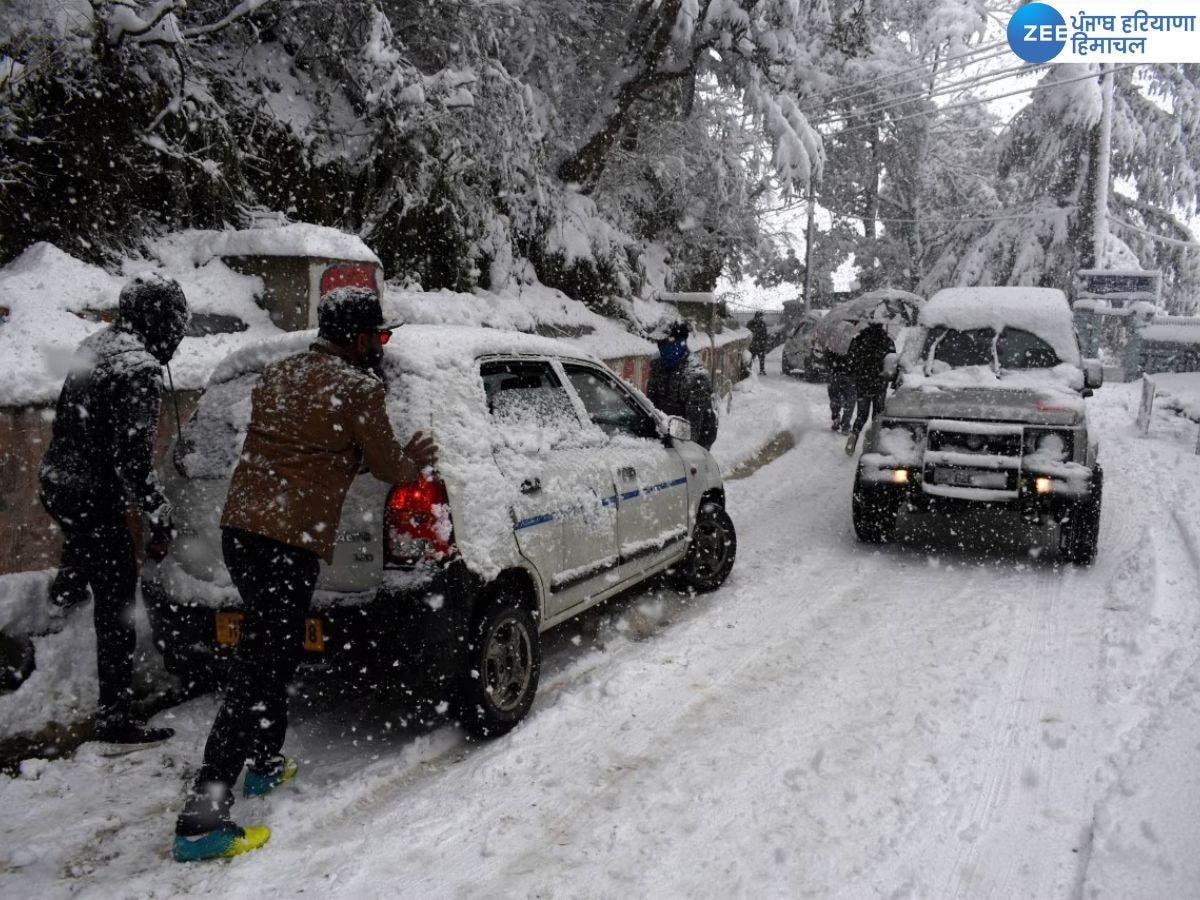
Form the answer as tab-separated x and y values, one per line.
1055	503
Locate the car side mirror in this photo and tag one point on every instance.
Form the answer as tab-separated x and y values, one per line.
678	429
891	365
1093	374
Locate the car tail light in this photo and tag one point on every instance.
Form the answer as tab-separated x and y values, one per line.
417	525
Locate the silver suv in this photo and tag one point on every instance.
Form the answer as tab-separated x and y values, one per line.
988	411
558	486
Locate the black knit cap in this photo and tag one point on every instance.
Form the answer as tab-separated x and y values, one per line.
346	312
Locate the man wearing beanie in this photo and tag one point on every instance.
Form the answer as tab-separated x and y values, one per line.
316	417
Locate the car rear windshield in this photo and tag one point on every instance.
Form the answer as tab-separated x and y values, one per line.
1013	349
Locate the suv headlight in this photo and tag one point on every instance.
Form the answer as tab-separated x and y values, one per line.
1056	445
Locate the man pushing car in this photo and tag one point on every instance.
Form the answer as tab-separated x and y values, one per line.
316	417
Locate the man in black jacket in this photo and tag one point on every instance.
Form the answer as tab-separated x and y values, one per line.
865	359
100	466
760	341
679	386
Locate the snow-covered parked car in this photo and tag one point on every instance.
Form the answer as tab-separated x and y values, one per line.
806	352
988	410
557	486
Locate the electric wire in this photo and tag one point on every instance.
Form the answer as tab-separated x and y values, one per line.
860	87
923	85
1160	238
974	102
956	87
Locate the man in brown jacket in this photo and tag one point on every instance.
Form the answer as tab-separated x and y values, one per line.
316	417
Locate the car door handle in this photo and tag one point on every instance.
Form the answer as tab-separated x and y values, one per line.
531	485
627	472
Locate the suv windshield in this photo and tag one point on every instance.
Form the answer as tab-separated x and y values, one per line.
1014	349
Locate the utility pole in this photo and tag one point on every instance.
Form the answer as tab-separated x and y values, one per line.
1103	167
808	247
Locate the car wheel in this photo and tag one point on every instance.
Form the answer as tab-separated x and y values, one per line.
1081	533
874	513
711	550
504	660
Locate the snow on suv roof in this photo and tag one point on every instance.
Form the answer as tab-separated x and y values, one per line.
1041	311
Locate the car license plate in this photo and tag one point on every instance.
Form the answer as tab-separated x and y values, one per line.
229	627
229	631
974	478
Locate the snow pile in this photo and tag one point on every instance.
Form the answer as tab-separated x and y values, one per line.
1172	330
48	293
299	239
1040	311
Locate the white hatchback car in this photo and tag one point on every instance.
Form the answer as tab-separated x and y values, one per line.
557	487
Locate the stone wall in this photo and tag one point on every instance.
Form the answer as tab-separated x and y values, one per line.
29	539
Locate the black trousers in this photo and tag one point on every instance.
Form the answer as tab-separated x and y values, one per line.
276	583
98	550
841	398
761	356
870	402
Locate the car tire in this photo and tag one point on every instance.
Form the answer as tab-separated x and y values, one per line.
1082	536
874	512
504	661
711	550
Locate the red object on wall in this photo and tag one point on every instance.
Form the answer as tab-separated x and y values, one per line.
349	275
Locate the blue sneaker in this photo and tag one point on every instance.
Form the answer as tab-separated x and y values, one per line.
223	843
257	784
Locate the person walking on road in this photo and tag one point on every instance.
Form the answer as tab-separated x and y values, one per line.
760	342
98	472
865	358
841	392
678	385
315	417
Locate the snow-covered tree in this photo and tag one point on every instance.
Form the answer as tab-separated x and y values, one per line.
1046	183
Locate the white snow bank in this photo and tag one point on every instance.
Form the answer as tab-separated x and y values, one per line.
47	291
300	239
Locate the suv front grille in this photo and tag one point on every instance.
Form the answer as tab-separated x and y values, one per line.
986	461
969	442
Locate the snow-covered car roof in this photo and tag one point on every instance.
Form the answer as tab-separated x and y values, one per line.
1040	311
838	327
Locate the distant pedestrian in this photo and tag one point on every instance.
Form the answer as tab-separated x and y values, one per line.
865	357
315	418
680	386
841	392
99	467
760	341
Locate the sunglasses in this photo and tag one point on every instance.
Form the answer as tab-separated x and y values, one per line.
384	336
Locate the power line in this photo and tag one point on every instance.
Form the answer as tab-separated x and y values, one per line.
952	88
902	83
862	86
1160	238
979	101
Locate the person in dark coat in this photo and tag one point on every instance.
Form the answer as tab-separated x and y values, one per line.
841	392
865	359
100	466
760	342
315	418
679	386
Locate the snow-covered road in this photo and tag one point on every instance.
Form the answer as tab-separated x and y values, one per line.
954	716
